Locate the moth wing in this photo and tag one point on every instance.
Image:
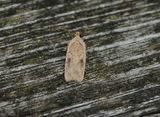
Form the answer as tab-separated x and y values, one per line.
75	61
68	63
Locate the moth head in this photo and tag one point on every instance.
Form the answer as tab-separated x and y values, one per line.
77	34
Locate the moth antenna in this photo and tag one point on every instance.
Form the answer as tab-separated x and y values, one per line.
77	34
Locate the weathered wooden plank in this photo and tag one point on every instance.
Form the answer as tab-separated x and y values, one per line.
123	58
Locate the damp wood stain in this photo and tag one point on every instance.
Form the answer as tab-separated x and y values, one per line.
75	59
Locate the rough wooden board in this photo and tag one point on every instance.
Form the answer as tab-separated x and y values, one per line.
123	58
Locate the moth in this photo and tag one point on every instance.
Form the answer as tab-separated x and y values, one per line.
75	59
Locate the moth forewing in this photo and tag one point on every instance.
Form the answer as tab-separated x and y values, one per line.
75	59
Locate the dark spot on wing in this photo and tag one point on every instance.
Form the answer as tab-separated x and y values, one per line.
68	62
81	61
69	59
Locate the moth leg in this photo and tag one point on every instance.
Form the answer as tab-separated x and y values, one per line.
64	49
63	69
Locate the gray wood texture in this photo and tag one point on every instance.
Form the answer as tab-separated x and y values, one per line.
122	76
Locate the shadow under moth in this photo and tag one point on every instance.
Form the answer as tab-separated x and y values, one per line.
75	59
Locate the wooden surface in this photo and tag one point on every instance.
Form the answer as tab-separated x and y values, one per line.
123	58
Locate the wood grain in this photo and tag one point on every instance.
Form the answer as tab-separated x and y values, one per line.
122	64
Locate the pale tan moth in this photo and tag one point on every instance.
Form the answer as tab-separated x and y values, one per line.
75	59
